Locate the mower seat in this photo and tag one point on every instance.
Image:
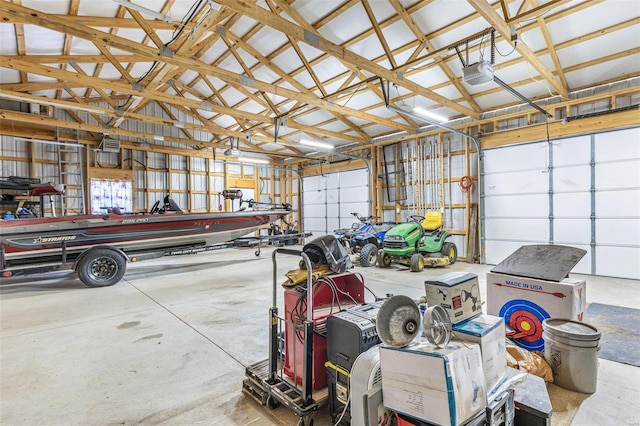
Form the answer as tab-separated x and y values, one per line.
432	221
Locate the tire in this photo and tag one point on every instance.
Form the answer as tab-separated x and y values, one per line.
416	263
451	251
383	260
101	267
368	255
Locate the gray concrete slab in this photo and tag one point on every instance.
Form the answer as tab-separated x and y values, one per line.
170	343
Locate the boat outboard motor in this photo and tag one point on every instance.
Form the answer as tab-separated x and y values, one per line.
326	250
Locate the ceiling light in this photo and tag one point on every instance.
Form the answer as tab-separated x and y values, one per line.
44	101
316	144
432	115
144	10
244	159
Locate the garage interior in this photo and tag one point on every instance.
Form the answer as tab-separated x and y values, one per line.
516	121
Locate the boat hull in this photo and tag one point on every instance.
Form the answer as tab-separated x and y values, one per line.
42	237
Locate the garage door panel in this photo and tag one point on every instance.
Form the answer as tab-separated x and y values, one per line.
528	181
314	224
572	151
584	266
354	194
517	206
332	210
333	195
530	230
619	175
330	199
618	203
353	178
571	231
314	183
313	197
332	179
333	224
575	178
618	145
497	251
571	205
530	156
618	231
618	261
615	204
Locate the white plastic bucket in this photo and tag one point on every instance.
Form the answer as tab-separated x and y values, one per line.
571	348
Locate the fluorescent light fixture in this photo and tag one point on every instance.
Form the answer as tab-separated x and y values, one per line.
253	160
47	142
432	115
316	144
44	101
158	137
144	10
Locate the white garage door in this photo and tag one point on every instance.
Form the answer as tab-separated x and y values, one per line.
329	199
582	192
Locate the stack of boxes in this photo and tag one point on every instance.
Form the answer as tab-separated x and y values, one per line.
454	385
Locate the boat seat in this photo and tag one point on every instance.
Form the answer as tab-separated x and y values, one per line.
432	221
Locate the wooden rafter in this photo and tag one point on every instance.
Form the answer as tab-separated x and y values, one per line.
552	50
203	60
42	19
286	27
284	6
378	30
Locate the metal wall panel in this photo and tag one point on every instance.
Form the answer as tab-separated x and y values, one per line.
199	182
179	181
199	202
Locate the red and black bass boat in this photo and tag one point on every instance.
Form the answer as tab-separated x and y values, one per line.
98	246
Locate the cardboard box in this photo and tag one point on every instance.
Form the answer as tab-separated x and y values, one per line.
458	293
489	332
533	284
440	386
525	302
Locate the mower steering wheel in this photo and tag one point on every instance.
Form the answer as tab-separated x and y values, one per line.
155	208
416	218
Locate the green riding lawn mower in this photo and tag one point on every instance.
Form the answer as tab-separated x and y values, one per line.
419	242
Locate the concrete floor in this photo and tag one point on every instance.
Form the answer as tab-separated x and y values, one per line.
169	344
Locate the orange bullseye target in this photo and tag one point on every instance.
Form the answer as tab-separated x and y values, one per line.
525	318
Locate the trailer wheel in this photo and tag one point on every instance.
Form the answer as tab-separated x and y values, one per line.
101	268
451	251
416	263
368	255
